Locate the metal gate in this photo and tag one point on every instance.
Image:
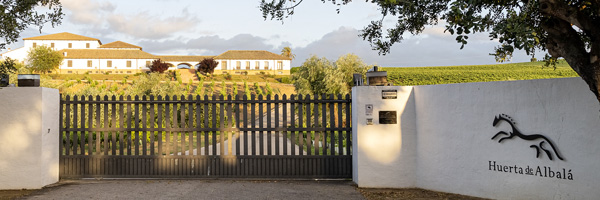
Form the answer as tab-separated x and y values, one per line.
210	137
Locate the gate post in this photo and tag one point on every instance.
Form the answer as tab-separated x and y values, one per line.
384	134
29	123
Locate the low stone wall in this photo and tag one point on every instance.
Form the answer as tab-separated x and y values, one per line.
535	139
29	119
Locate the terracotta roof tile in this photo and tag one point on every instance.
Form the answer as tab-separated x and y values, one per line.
106	54
250	55
62	36
120	45
184	58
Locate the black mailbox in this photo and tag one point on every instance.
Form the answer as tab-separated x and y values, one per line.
387	117
29	80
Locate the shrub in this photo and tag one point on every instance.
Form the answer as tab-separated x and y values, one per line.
207	66
158	66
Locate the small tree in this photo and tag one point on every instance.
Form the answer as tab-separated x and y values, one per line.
7	66
43	59
207	66
158	66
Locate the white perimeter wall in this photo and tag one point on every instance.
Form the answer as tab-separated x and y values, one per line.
451	148
28	137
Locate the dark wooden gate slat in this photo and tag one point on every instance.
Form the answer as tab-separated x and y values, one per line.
230	121
284	124
190	122
198	125
324	124
144	122
260	126
308	125
160	125
206	118
277	133
245	124
237	125
253	123
82	125
293	124
121	116
182	108
168	125
301	125
113	121
76	133
105	125
214	125
137	126
153	124
221	125
348	123
68	125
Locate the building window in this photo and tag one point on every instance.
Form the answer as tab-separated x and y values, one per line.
69	72
70	63
238	65
52	45
129	63
224	65
247	65
129	72
34	44
70	45
109	63
266	65
89	63
257	65
87	45
279	65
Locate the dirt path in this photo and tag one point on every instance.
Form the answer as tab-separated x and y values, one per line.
187	74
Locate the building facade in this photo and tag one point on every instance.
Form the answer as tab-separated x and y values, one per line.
88	55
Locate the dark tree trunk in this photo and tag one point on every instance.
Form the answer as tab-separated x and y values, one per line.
567	42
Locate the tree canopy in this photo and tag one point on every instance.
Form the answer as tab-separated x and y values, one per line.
567	29
287	52
207	66
17	15
158	66
320	76
43	59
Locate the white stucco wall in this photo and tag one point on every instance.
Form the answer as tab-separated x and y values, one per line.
19	54
383	150
62	44
454	147
101	64
29	142
232	64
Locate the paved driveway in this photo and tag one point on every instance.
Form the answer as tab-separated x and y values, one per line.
198	189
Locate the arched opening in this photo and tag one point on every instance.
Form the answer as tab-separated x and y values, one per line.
184	66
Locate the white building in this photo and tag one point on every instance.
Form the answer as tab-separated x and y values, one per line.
252	62
88	55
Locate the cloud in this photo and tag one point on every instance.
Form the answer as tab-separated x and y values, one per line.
86	11
144	25
210	45
102	19
429	49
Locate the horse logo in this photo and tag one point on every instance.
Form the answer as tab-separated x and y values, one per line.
515	132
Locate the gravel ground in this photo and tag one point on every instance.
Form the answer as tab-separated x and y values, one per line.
218	189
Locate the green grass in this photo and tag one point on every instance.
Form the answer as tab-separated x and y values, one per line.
476	73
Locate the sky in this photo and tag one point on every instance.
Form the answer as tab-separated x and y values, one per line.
210	27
